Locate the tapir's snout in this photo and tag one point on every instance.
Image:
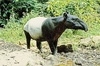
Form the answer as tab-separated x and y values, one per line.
84	26
80	25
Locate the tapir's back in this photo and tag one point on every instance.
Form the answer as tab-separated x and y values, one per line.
33	27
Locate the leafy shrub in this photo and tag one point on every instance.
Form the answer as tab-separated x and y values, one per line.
17	7
57	7
42	1
84	8
5	9
22	6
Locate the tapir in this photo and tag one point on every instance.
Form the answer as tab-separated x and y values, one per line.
50	29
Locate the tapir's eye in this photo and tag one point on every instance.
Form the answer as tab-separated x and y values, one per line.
75	19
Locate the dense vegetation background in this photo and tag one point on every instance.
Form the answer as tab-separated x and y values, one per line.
15	13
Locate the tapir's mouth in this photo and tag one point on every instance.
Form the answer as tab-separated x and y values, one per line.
84	26
81	26
76	28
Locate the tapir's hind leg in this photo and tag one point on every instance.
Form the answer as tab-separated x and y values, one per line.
28	38
39	45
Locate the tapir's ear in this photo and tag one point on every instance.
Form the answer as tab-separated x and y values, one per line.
65	15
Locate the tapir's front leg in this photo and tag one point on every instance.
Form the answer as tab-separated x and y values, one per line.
53	46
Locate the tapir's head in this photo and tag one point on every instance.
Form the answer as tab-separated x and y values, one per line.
73	22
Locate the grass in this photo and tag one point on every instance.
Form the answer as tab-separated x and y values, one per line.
13	32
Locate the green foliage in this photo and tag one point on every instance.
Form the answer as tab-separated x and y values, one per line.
13	31
22	6
18	7
82	8
57	7
42	1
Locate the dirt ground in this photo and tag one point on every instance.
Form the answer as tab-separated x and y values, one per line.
16	55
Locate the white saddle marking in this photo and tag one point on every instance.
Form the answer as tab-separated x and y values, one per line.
33	27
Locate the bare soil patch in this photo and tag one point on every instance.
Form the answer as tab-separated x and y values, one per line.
15	55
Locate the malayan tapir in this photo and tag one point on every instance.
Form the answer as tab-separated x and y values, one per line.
50	29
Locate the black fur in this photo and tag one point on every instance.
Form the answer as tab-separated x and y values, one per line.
50	28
